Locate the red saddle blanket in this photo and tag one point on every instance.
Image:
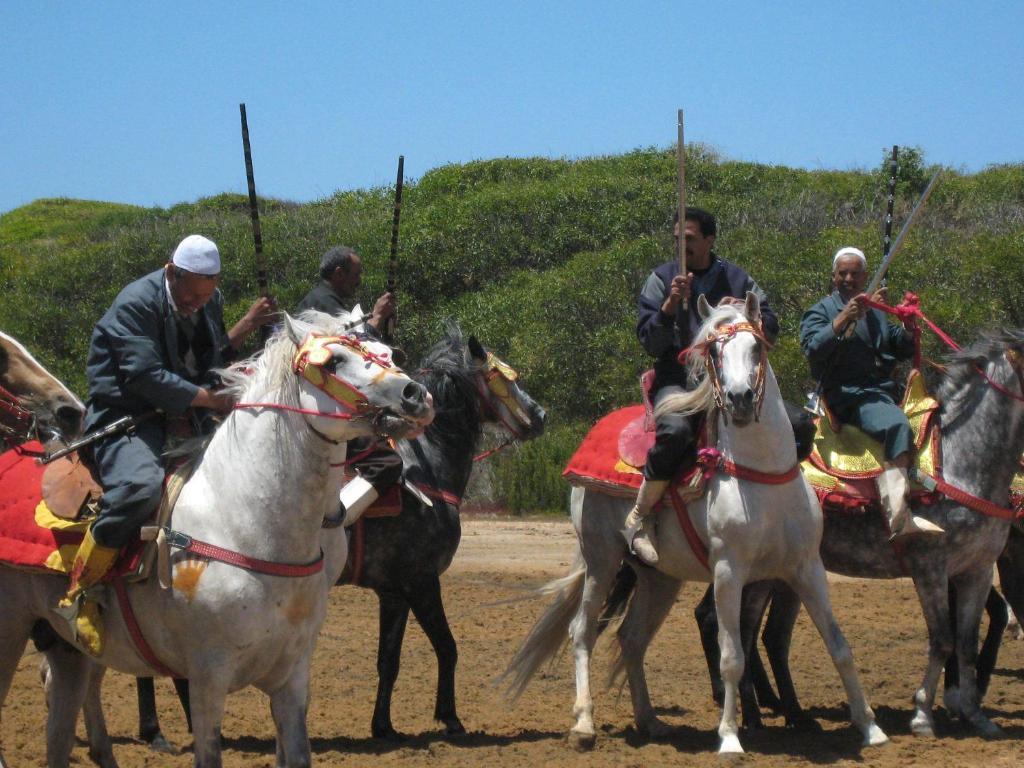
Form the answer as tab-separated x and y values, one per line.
612	455
30	535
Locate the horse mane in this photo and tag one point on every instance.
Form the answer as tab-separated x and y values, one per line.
448	377
700	398
961	376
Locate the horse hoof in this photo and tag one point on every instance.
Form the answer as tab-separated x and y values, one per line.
582	742
386	733
951	700
161	745
922	727
986	728
875	736
730	746
454	727
655	728
803	723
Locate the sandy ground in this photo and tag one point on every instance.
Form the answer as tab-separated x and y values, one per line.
501	559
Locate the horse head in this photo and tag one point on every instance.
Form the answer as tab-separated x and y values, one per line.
33	402
732	353
351	384
503	400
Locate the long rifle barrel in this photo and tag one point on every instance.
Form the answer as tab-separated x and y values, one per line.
681	180
893	167
884	267
389	325
254	211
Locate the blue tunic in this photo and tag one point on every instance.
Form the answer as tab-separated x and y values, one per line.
856	373
137	364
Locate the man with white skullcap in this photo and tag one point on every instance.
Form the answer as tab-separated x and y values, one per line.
852	349
155	349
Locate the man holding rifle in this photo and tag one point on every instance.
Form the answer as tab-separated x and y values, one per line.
377	467
341	272
667	320
155	349
852	349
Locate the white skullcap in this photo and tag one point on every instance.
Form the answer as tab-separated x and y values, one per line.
849	250
197	254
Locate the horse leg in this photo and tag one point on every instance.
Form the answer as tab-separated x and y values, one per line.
998	618
14	636
583	634
181	688
428	608
69	682
149	721
653	598
394	613
289	705
777	636
207	695
707	625
100	749
811	586
728	600
752	607
972	589
932	593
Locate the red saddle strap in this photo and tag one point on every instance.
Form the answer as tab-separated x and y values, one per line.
683	516
237	559
984	506
135	631
712	460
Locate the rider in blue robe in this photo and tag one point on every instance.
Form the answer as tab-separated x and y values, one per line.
852	349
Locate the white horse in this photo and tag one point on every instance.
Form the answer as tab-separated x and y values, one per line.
258	497
758	520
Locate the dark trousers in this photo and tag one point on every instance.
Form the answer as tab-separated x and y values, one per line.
675	442
131	471
381	468
876	415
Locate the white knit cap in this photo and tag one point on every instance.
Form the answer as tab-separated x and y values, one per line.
197	254
849	250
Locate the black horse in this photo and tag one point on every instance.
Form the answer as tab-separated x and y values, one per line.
403	557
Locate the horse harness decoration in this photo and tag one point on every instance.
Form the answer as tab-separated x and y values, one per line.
709	351
17	423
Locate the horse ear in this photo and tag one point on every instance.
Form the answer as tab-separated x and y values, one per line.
296	329
703	308
476	349
752	308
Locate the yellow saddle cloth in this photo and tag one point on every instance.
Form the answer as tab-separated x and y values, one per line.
844	453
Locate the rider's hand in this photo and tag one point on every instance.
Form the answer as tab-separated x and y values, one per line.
679	289
220	402
383	308
849	315
262	311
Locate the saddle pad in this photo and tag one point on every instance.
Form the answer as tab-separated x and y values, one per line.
847	453
388	505
30	535
597	462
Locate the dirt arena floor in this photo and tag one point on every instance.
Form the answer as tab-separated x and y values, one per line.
502	559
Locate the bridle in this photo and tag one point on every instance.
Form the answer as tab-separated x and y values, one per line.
709	352
309	363
17	423
1016	361
495	378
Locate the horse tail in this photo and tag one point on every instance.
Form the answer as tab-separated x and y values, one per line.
551	632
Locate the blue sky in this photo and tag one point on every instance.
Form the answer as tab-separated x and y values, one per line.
138	102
